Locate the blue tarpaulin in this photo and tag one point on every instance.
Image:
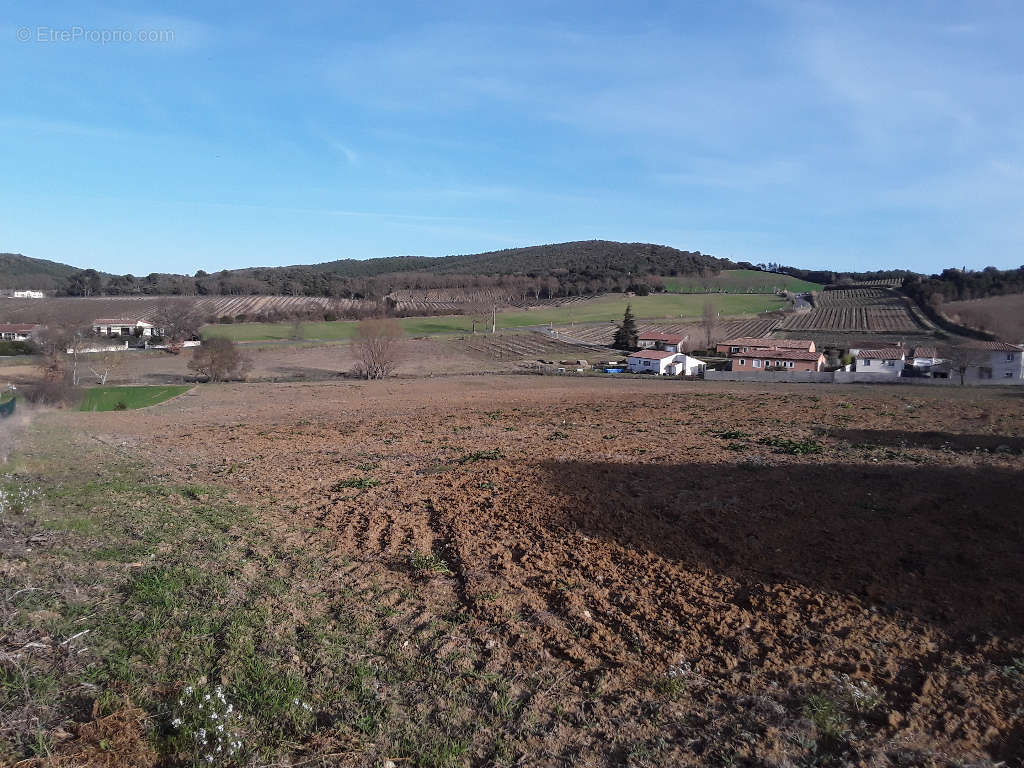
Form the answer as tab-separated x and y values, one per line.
7	409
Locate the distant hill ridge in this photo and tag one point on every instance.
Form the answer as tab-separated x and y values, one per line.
575	267
22	272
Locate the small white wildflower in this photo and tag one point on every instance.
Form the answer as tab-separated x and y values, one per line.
201	734
206	697
230	708
176	722
213	715
189	689
295	702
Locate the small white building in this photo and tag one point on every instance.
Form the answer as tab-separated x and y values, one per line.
17	331
664	363
121	326
887	361
28	295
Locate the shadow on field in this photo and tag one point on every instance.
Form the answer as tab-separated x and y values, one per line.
938	440
944	543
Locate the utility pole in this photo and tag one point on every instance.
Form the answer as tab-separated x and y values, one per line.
494	318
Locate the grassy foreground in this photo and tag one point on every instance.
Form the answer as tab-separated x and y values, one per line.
601	309
149	622
127	398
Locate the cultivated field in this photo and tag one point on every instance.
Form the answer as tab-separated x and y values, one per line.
856	309
522	571
609	308
145	308
724	329
1002	315
740	281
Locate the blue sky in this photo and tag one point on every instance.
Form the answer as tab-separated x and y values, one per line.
846	135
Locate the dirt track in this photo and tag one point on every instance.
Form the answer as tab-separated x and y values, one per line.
629	530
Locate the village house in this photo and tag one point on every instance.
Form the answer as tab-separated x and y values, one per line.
886	361
778	360
120	326
746	344
986	360
28	295
16	331
668	342
664	362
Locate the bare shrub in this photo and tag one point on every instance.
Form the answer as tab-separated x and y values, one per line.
376	347
220	360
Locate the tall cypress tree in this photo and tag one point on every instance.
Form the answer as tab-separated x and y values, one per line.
626	334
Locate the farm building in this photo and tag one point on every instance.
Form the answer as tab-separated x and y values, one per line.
887	361
664	362
778	360
745	345
667	342
28	295
121	326
17	331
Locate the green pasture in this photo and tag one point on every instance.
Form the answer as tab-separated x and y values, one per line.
112	398
739	281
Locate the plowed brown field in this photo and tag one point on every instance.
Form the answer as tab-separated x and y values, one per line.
704	568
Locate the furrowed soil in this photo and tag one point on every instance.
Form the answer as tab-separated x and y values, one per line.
645	572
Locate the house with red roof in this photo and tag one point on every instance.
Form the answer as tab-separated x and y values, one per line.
777	359
17	331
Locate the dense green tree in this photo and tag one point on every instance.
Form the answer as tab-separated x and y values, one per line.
626	333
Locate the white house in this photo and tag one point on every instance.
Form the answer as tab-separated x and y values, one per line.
667	342
888	361
664	362
17	331
121	326
28	295
993	360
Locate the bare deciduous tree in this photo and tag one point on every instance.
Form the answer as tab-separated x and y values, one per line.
102	364
177	320
220	360
376	347
709	321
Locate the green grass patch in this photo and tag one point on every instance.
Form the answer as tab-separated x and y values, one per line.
740	281
127	398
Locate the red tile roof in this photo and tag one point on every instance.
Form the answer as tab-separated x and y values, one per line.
652	354
993	346
886	353
925	352
779	354
17	328
119	321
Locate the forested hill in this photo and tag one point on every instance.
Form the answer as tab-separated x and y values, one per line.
572	268
20	272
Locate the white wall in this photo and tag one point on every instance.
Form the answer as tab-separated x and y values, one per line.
880	367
